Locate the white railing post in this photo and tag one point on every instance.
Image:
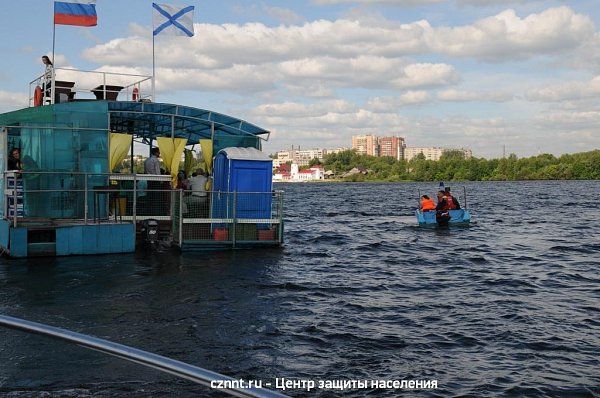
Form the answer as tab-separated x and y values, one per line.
52	87
104	84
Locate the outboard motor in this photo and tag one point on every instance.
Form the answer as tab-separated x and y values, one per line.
150	231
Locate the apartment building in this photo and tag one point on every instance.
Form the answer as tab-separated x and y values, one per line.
391	146
365	145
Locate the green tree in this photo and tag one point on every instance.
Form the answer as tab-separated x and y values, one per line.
314	162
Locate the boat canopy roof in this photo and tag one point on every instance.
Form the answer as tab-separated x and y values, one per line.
151	120
144	120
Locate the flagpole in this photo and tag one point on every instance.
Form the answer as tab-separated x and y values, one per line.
52	78
153	72
53	39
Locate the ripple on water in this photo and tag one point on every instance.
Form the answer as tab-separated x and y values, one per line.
507	307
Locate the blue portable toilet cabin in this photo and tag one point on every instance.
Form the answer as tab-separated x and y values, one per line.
249	173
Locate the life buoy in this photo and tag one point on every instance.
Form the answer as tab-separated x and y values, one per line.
135	94
37	96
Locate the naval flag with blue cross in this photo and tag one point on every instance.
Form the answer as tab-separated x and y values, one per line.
173	20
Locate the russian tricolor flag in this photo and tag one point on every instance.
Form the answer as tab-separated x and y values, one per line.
75	12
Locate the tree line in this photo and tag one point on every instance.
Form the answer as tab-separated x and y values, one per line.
453	166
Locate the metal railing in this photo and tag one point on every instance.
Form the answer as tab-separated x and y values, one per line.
66	83
232	218
166	365
86	197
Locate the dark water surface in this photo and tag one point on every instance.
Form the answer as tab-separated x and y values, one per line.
509	306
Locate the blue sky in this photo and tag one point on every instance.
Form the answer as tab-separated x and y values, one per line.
455	73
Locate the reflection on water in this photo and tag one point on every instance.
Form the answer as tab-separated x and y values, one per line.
507	306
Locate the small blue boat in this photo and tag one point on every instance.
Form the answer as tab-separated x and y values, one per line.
457	217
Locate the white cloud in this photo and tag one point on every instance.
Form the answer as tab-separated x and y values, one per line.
332	123
587	56
391	104
386	2
301	110
12	101
312	77
453	95
507	36
369	72
572	120
573	90
310	90
494	2
496	38
283	15
382	61
422	2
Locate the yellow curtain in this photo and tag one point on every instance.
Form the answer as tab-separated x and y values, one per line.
188	162
171	150
120	145
207	154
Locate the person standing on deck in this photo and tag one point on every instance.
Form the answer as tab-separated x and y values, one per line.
152	164
47	79
14	160
199	197
155	198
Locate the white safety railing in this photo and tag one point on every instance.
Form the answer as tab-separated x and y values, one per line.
68	84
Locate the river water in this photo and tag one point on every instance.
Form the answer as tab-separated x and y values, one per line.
508	306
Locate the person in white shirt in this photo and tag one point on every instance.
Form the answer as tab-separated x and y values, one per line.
152	164
198	200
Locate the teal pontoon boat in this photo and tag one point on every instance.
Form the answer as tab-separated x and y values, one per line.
70	196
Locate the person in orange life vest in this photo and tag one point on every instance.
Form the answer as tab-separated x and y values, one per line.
427	204
451	200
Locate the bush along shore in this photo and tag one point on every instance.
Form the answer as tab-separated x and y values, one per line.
349	166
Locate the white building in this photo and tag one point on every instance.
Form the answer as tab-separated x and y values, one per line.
318	172
432	153
337	150
303	157
297	175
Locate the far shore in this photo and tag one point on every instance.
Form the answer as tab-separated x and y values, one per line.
338	180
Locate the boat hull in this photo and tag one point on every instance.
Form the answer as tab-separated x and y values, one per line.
457	217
